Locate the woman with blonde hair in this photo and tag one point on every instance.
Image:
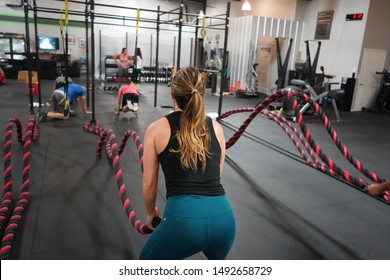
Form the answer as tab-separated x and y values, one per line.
191	150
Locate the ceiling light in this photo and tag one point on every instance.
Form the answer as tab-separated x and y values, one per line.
246	6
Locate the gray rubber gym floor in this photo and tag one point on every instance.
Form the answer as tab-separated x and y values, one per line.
283	208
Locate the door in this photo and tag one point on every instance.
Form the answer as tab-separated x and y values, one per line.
368	82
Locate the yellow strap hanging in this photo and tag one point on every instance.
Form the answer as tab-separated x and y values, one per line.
138	16
66	12
61	18
203	32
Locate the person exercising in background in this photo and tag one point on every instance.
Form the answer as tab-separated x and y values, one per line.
123	60
60	82
173	73
61	104
135	78
128	97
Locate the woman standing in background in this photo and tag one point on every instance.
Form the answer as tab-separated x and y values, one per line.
123	65
137	67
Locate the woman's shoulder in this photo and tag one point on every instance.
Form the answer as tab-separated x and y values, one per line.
158	126
218	129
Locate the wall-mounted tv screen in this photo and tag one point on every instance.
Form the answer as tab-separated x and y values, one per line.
48	43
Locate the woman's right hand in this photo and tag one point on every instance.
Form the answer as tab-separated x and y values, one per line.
149	220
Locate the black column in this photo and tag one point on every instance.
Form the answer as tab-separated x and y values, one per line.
180	28
157	45
87	48
224	62
92	15
39	66
28	53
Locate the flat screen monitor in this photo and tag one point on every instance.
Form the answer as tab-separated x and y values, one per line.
48	43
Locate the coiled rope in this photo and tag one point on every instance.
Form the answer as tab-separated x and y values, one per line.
107	137
10	226
330	167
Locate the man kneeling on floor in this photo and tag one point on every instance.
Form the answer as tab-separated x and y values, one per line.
61	81
130	99
61	104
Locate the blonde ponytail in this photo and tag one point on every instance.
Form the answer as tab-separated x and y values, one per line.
192	136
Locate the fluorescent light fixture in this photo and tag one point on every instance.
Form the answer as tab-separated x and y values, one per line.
201	15
246	6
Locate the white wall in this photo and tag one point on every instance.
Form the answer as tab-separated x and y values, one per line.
283	9
243	46
340	54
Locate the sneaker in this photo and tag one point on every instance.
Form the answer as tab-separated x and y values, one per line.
130	105
135	107
41	116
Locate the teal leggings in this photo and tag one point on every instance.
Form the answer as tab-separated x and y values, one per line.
192	224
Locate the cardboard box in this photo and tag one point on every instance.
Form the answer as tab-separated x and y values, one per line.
23	77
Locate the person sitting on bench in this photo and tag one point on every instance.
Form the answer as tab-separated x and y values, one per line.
61	103
128	97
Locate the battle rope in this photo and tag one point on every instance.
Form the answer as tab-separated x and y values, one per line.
333	134
113	153
282	123
6	203
30	135
306	146
321	167
307	136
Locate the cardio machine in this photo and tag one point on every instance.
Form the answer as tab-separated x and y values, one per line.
321	91
305	71
282	66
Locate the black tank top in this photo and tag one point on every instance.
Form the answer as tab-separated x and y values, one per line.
185	181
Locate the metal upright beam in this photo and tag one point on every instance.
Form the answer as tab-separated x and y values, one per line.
151	50
100	55
92	15
174	51
179	40
87	48
28	53
196	42
37	52
224	62
127	39
157	62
